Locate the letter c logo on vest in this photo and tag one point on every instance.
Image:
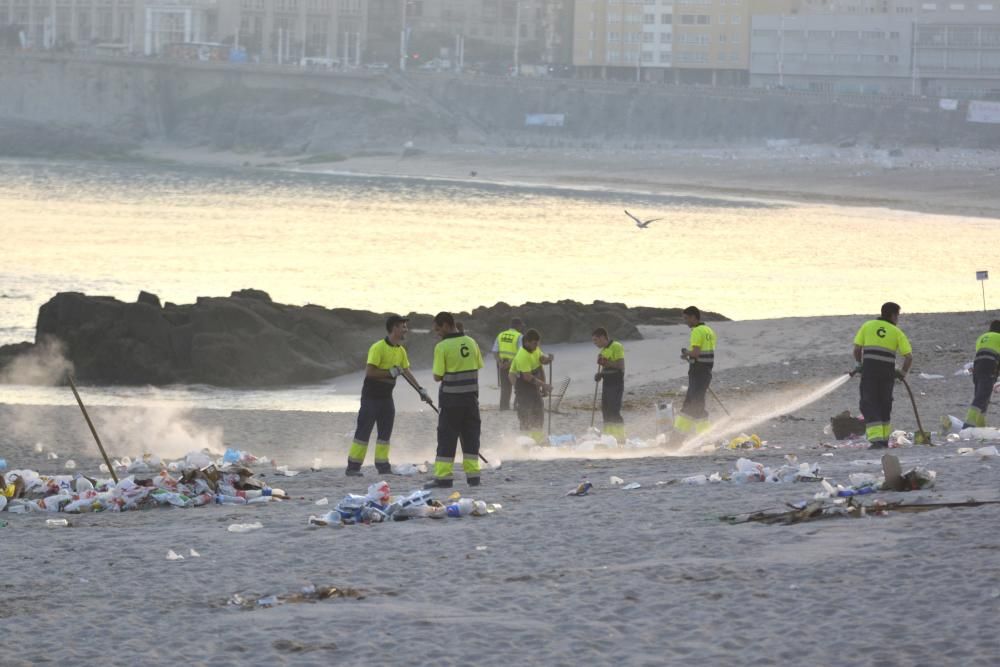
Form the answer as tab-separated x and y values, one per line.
464	351
880	332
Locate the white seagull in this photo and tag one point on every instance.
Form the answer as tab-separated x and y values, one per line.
642	224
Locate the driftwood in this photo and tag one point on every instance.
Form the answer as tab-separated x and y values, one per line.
852	508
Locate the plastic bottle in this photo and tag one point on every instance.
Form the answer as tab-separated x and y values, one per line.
56	523
664	417
3	464
244	527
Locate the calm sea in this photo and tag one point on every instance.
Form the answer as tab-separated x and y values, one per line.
403	244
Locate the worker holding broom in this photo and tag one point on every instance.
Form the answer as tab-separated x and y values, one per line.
611	360
693	417
506	345
875	347
387	360
985	367
527	375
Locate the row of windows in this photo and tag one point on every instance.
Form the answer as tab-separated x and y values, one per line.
826	58
869	35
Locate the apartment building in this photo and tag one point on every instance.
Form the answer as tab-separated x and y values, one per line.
486	30
678	41
946	49
271	30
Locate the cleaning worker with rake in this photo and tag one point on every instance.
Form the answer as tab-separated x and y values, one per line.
875	347
693	417
985	367
527	374
611	360
387	360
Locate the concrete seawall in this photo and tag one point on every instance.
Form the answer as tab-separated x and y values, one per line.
289	111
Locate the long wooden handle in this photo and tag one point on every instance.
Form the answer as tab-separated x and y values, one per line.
69	377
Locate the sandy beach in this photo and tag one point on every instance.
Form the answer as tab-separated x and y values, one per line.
945	181
648	576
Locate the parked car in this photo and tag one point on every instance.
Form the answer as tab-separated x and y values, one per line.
378	67
313	62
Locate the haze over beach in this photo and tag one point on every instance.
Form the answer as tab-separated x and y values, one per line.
209	210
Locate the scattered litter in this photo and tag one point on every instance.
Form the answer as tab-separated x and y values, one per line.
581	490
171	555
481	548
951	424
930	376
404	469
284	471
846	425
323	501
378	506
52	456
819	509
616	481
244	527
307	594
987	452
195	554
631	485
980	433
744	441
695	479
317	465
56	523
965	370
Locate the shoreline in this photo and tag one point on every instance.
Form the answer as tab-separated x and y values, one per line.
936	182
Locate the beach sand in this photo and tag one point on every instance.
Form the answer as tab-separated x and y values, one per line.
946	181
649	576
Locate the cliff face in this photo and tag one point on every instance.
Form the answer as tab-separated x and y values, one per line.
122	102
246	340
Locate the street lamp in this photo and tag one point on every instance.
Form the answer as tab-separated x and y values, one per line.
402	36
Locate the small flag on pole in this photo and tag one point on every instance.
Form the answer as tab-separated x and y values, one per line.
982	275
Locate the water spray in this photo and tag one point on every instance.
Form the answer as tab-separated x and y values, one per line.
747	417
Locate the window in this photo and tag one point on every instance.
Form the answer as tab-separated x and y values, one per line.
649	19
985	8
665	57
956	7
893	59
666	19
647	56
893	35
613	36
666	37
704	19
735	19
647	37
929	6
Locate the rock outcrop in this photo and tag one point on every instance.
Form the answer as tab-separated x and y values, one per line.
247	340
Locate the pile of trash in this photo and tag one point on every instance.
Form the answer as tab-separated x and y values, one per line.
378	505
182	483
751	471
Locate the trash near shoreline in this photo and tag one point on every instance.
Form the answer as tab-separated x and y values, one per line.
307	594
378	506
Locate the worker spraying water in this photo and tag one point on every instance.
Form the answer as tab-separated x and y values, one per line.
762	410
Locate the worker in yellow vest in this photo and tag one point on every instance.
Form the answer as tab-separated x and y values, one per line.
611	360
387	360
527	375
505	346
457	360
700	355
985	367
875	347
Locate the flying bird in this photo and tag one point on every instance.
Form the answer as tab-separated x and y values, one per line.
642	224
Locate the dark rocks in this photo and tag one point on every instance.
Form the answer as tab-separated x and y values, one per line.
247	340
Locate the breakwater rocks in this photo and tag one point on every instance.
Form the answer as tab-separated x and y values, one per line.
247	340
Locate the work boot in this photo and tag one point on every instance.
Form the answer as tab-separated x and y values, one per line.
438	484
383	467
354	472
473	481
